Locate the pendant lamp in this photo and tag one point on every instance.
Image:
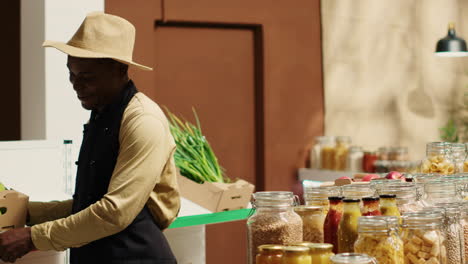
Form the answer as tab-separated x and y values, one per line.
451	45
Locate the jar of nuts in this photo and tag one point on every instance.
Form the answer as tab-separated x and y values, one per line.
273	221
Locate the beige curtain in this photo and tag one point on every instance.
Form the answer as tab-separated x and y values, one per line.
383	84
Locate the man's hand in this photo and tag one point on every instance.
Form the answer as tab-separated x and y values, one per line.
15	243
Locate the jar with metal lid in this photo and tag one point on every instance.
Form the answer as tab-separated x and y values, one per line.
439	192
423	238
327	153
352	258
312	222
273	221
453	232
357	191
296	255
407	198
341	152
320	253
426	177
438	159
332	221
461	181
458	155
398	153
316	152
347	229
269	254
378	239
318	196
355	156
368	161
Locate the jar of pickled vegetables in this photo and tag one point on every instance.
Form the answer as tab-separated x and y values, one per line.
341	152
327	153
352	258
371	206
296	255
348	227
423	238
377	239
273	221
458	156
332	221
269	254
312	222
388	205
438	159
318	196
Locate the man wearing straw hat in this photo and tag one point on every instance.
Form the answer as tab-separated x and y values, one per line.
126	191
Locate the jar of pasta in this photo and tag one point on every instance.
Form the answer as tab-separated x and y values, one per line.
327	153
440	192
316	152
352	258
423	238
318	196
296	255
378	239
273	221
438	159
458	156
269	254
348	227
312	222
341	152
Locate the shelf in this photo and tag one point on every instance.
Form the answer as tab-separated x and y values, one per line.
321	175
212	218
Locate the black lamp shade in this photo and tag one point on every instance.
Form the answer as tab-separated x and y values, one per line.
451	45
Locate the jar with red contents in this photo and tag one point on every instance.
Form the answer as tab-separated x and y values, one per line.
332	221
368	161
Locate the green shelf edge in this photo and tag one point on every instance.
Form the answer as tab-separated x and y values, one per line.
213	218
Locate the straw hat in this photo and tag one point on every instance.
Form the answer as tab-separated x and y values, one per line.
101	36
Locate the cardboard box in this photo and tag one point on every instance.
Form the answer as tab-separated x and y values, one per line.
216	196
16	206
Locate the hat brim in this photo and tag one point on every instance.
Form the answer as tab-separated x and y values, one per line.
83	53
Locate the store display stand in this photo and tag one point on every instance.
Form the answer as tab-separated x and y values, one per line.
322	175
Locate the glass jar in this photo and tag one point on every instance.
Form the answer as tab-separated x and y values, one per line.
332	221
399	165
382	166
357	191
327	153
355	156
377	239
464	224
423	237
388	205
318	196
269	254
399	153
371	206
296	255
352	258
461	181
438	159
440	192
320	253
273	221
368	161
426	177
341	152
383	153
347	229
453	232
312	222
458	155
407	197
316	152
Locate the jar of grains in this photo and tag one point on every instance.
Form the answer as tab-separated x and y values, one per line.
378	239
355	156
464	223
438	159
312	222
453	232
273	221
424	238
318	196
352	258
327	153
269	254
341	152
458	155
296	255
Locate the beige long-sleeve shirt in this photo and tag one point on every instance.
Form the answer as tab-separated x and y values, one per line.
145	173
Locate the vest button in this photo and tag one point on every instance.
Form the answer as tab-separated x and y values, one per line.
91	163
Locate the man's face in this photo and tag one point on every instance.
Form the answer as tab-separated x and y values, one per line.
96	82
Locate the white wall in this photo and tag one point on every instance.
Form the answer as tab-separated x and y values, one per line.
49	107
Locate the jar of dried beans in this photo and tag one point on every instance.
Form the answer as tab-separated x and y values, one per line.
273	221
453	232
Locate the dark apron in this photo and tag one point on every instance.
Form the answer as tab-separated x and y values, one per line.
142	242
